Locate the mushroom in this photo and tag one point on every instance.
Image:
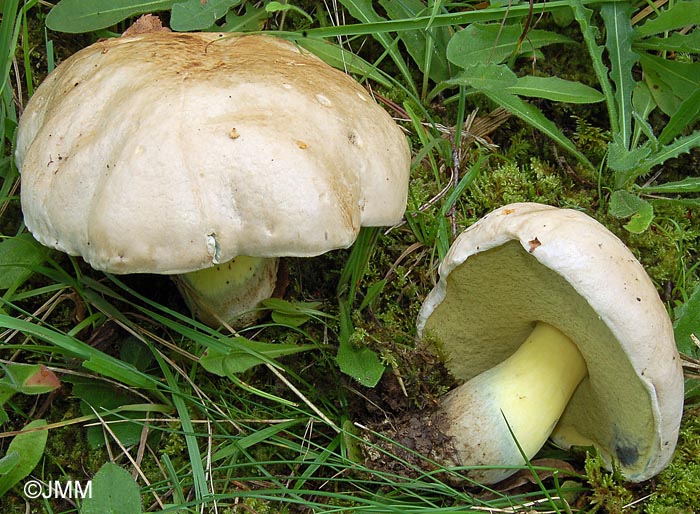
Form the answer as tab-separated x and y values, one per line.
558	332
206	156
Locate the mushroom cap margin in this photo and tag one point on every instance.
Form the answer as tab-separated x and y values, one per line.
167	153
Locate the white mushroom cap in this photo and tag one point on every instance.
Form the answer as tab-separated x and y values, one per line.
525	263
167	153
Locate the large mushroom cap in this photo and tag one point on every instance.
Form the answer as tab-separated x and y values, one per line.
167	153
528	263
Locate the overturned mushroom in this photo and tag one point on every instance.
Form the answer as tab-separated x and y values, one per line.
174	153
558	332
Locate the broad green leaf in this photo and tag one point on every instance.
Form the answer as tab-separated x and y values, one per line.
533	116
100	397
246	355
420	42
486	77
556	89
687	322
359	362
483	43
133	351
686	116
563	16
9	461
681	14
618	42
17	256
198	15
628	205
251	21
687	185
343	59
114	491
29	446
29	378
76	16
670	82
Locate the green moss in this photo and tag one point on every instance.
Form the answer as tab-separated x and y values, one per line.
608	492
678	486
533	181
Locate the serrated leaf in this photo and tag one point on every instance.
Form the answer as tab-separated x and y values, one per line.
681	14
628	205
687	185
483	43
114	491
29	446
589	31
246	355
197	15
675	42
75	16
556	89
687	322
618	42
627	164
679	146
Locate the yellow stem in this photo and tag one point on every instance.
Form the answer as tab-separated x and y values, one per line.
530	390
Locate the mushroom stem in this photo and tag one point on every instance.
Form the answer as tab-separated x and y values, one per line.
529	390
229	291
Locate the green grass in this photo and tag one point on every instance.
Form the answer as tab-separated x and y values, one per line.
288	434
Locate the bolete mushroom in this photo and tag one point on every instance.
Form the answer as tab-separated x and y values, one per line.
558	332
207	156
